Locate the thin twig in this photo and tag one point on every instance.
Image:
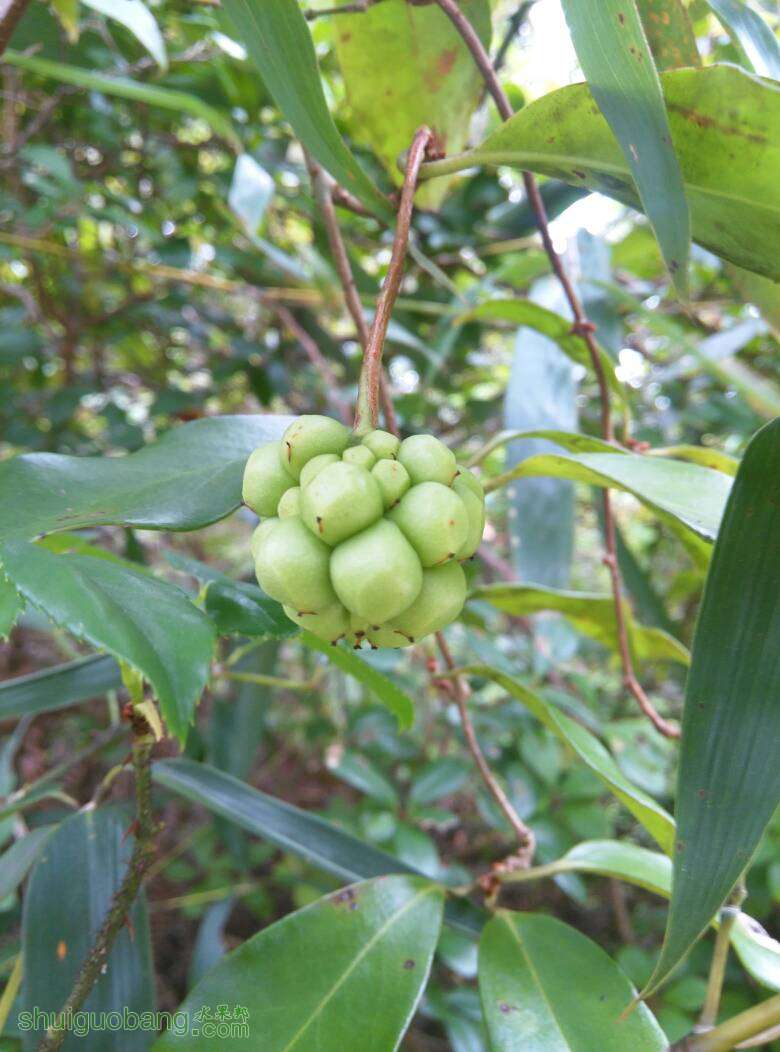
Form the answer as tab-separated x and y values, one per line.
11	12
367	413
324	194
735	1031
524	834
583	327
727	920
140	861
317	359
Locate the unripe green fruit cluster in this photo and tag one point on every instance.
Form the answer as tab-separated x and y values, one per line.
363	539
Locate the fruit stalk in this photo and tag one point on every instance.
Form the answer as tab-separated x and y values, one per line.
367	410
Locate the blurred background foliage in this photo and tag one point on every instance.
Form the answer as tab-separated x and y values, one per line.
148	276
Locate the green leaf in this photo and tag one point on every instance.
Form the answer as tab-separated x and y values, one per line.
125	88
439	778
547	323
279	44
669	33
404	66
58	687
16	862
311	980
677	492
67	897
148	623
752	36
136	17
545	987
243	609
729	779
592	614
302	834
617	61
734	204
759	953
251	191
351	664
354	769
189	478
591	751
570	440
702	455
11	605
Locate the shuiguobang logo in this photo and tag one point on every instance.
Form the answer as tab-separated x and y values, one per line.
223	1022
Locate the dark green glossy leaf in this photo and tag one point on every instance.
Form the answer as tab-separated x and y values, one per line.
545	987
188	479
279	43
751	34
16	862
148	623
692	495
617	61
590	613
125	88
58	687
306	835
67	897
734	203
350	663
729	778
237	608
311	980
591	751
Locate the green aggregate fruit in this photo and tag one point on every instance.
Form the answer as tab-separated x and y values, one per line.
365	548
427	460
292	566
265	480
309	436
434	520
376	574
342	500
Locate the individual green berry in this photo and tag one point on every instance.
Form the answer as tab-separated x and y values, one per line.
313	467
475	509
434	520
309	436
393	480
382	444
341	501
265	480
290	504
259	534
359	455
330	624
427	460
292	566
441	599
376	574
375	635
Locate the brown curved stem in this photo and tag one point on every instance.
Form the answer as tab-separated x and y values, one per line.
367	413
585	328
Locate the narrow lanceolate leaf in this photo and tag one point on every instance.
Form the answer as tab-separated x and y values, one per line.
545	987
677	492
383	689
15	863
590	613
67	898
306	835
754	39
189	478
60	686
311	980
279	43
136	17
148	623
125	88
405	65
617	61
729	779
758	952
728	169
591	751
